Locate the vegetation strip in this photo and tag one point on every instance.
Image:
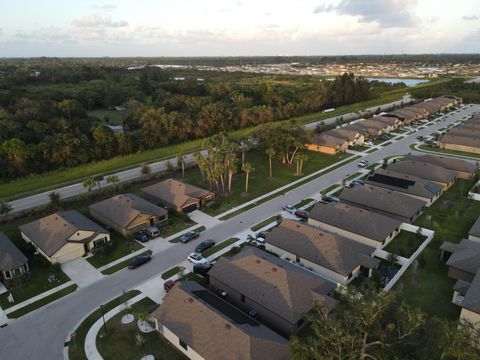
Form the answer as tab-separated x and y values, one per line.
219	247
266	222
173	271
113	269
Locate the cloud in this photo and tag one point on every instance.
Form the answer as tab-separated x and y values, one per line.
50	34
93	21
469	18
388	13
106	7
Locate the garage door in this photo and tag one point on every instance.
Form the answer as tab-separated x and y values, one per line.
190	208
71	254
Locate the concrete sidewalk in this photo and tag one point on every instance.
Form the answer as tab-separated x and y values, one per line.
203	219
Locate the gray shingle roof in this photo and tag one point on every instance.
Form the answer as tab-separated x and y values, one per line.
275	284
123	209
465	256
423	170
331	251
379	199
10	257
471	301
475	229
215	329
446	162
355	220
51	232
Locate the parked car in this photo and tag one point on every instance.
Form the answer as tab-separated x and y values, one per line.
204	245
142	236
302	214
196	258
368	143
431	142
261	235
384	137
290	209
167	285
330	198
152	231
419	137
189	236
139	261
362	163
202	269
358	182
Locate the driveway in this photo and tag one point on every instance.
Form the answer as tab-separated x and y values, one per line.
81	272
203	219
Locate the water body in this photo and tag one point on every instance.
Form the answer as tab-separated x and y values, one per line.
408	82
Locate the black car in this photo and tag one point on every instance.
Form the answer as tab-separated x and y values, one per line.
189	236
202	269
142	236
384	137
139	261
261	235
204	245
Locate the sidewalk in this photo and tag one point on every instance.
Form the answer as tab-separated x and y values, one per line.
81	272
203	219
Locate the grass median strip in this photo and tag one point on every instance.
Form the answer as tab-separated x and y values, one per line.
42	302
122	265
266	222
173	271
330	188
219	247
303	203
177	239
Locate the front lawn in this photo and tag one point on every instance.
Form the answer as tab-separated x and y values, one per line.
120	247
405	244
451	217
174	224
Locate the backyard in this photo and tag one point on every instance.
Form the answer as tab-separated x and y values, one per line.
451	217
405	244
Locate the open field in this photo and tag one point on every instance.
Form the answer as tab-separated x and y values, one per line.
114	117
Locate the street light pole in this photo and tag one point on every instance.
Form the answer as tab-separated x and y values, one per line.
103	317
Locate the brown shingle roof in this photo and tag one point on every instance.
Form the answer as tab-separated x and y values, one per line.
423	170
52	232
275	284
124	208
327	140
449	163
355	220
176	192
331	251
380	199
215	329
460	140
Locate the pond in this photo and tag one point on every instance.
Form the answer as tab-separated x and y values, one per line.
408	82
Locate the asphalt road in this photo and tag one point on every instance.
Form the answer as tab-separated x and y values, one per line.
41	334
134	173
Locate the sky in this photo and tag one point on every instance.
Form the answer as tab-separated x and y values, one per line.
233	28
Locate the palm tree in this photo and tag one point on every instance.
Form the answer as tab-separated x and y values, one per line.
271	153
181	162
98	179
145	169
303	158
89	183
247	168
5	208
112	180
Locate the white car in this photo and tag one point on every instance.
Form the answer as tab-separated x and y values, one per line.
290	209
368	143
363	163
196	258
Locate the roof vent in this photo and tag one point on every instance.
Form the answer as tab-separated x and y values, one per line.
320	234
298	226
228	326
190	300
258	261
274	269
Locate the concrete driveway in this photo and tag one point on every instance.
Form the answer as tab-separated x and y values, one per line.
81	272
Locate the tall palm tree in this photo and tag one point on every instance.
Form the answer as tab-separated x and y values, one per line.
247	168
112	180
271	153
89	183
181	162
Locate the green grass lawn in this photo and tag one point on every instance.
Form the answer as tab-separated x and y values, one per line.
174	224
76	348
42	302
122	265
114	117
451	217
303	203
219	247
173	271
121	341
177	239
405	244
330	188
266	222
448	151
259	181
120	247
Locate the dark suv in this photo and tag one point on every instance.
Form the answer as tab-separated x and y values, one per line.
189	236
139	261
142	236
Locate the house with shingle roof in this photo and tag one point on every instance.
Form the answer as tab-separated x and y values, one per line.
279	292
365	226
12	262
332	256
413	186
202	325
464	169
353	137
328	144
457	142
383	201
474	232
64	236
127	213
425	170
177	195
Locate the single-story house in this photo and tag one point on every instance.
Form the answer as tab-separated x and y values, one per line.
64	236
378	126
460	143
327	144
463	261
383	201
422	111
463	168
280	292
367	131
177	195
354	138
392	122
127	213
12	262
469	131
332	256
428	171
407	116
406	184
365	226
474	232
204	326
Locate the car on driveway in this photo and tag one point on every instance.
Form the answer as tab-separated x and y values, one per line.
139	261
202	269
302	214
419	137
331	199
384	137
142	236
261	235
368	143
189	236
431	142
358	182
290	209
196	258
204	245
363	163
168	285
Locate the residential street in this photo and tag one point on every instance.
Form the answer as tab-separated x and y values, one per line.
127	175
41	334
